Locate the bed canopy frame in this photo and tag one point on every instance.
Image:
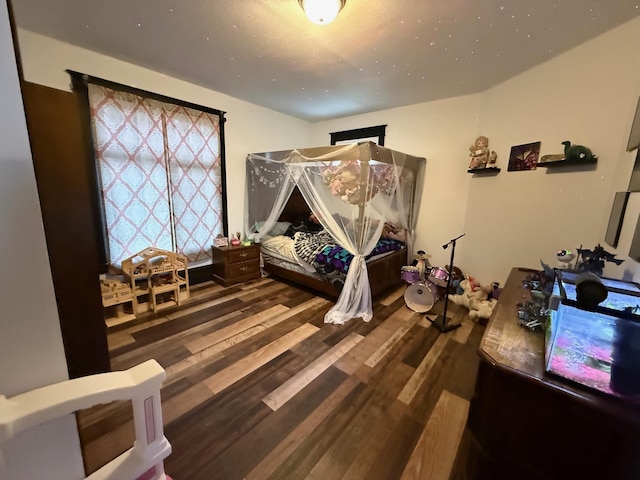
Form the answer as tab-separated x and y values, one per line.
353	190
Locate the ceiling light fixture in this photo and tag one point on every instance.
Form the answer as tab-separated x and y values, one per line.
322	12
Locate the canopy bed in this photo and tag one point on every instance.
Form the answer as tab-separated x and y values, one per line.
339	219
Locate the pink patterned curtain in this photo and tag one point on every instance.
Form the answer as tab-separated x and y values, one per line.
160	174
193	141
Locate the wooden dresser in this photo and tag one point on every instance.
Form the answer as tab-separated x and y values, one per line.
526	424
235	264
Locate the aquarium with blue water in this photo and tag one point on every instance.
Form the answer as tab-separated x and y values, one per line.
592	337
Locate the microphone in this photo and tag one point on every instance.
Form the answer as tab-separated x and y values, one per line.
445	246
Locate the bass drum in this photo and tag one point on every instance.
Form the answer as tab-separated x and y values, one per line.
420	297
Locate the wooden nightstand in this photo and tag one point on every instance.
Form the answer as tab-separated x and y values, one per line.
236	264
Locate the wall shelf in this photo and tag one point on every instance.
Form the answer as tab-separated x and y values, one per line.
567	163
484	171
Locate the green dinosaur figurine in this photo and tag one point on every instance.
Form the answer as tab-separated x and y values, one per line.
577	153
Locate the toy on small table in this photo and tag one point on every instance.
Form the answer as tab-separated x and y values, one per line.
235	241
565	257
593	260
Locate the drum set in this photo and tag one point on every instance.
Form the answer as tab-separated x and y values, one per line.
422	292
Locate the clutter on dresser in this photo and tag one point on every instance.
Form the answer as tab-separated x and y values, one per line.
235	241
594	260
221	241
533	312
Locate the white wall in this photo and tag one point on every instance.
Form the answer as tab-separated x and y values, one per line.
587	96
249	128
31	351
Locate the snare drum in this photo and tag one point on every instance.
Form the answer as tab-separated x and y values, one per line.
420	297
410	274
439	276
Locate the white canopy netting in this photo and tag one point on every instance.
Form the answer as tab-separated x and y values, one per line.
353	190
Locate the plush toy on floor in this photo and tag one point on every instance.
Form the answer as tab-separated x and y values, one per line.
481	310
475	297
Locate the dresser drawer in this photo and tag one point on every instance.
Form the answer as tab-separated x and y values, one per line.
243	268
236	256
236	264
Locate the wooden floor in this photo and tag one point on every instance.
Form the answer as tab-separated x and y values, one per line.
258	387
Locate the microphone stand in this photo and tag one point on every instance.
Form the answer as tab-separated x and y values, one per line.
441	320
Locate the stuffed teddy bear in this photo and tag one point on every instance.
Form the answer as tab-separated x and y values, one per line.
475	297
481	310
470	290
479	153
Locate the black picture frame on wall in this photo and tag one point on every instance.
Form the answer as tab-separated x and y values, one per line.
375	134
616	218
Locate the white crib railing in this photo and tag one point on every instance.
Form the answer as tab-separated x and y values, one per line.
140	384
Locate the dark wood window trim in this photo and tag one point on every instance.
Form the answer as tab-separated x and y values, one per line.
360	133
80	83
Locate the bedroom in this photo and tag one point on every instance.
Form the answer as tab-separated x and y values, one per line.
508	219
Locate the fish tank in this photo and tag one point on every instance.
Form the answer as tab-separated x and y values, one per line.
595	344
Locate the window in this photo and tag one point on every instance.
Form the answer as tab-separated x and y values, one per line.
375	134
160	171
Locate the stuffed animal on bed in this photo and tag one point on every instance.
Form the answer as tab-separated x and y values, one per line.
394	233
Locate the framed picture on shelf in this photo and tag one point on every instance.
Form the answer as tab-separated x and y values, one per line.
221	242
524	157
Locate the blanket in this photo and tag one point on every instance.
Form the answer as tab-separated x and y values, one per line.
321	251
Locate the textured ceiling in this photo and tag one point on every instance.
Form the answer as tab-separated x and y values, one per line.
375	55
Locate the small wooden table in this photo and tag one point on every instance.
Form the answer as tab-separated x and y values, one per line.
236	264
526	424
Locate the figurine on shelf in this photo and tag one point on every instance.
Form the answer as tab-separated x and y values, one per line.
479	153
578	153
493	158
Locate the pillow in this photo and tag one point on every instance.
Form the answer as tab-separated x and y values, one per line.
278	228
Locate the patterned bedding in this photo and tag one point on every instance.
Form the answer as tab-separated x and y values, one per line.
318	255
321	252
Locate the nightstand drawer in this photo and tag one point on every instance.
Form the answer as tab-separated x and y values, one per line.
243	268
242	255
236	264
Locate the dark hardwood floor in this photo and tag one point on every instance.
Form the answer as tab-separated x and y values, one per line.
258	387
